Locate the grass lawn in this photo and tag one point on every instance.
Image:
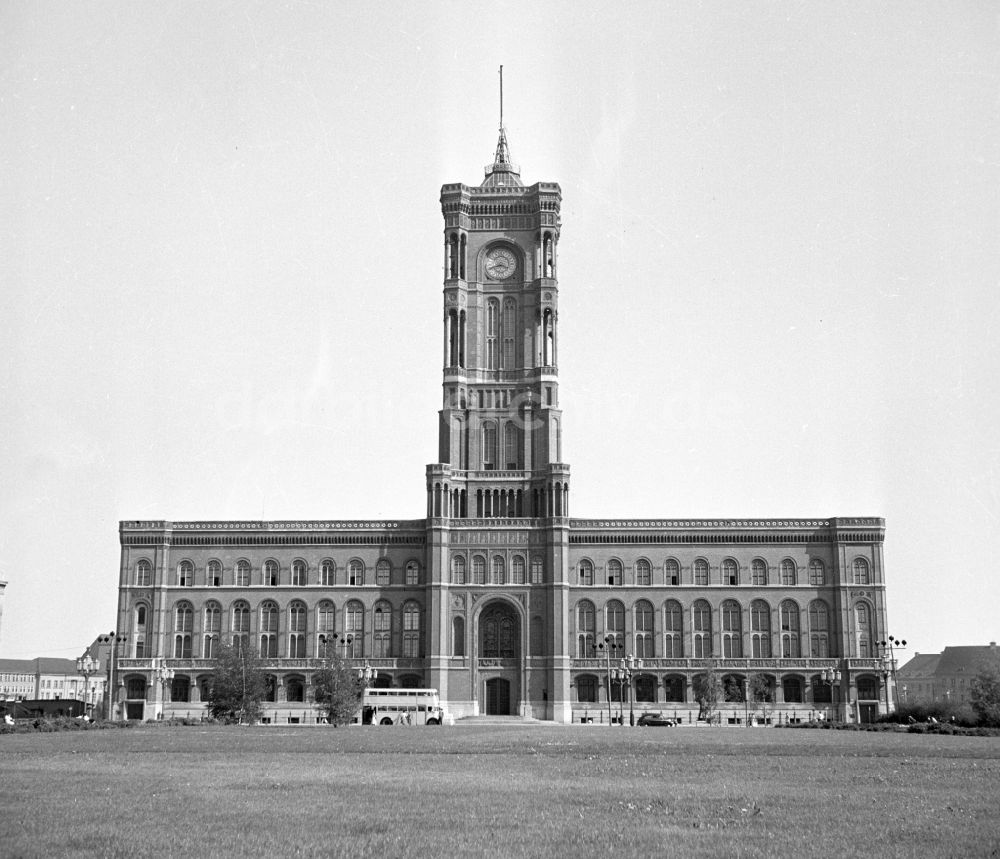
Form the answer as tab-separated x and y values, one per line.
441	792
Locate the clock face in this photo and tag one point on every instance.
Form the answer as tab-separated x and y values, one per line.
500	264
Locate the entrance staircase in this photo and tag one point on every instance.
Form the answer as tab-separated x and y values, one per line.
501	722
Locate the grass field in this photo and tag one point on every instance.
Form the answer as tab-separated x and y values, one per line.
467	791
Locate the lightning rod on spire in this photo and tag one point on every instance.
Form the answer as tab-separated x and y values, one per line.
501	96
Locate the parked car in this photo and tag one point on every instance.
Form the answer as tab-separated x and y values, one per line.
656	720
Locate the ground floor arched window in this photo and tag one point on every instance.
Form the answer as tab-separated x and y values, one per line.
645	688
791	688
673	688
295	690
180	688
586	689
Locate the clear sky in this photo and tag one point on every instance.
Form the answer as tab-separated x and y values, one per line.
221	248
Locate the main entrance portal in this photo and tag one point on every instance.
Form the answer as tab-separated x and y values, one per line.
500	659
498	697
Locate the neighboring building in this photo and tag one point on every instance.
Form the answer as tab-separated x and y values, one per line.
498	598
48	679
945	676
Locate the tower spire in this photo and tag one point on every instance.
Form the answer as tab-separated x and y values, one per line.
502	171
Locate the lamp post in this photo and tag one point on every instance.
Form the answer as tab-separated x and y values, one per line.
606	647
890	644
87	666
746	701
623	674
113	639
163	675
831	677
367	674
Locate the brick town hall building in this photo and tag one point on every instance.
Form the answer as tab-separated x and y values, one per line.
498	598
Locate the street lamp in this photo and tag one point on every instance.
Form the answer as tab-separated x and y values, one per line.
87	666
623	674
163	675
113	639
367	674
606	647
892	644
831	677
746	701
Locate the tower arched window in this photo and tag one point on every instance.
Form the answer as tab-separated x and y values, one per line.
241	574
241	624
861	576
183	627
758	572
730	572
673	630
614	614
478	570
139	630
819	630
143	574
586	572
492	333
354	629
788	572
643	573
512	445
517	570
213	630
411	630
382	571
863	631
458	570
732	630
508	357
701	622
615	572
298	630
328	573
643	614
185	574
672	571
537	570
791	647
585	615
701	572
268	630
817	572
499	571
489	450
458	636
760	629
300	575
382	630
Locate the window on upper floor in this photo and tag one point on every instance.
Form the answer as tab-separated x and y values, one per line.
143	574
732	630
300	574
185	574
861	576
760	630
537	570
701	572
788	572
383	570
412	573
271	574
213	574
355	573
615	572
817	572
586	573
758	572
672	571
242	574
458	570
411	630
643	573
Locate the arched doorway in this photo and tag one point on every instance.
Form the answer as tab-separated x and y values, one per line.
498	640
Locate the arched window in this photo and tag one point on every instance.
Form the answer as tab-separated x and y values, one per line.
489	445
354	629
701	618
585	646
185	574
268	630
673	688
615	614
382	630
180	689
586	573
672	570
817	572
732	630
673	630
788	572
458	570
789	617
241	623
382	570
457	636
213	574
297	630
355	573
861	572
412	573
701	572
295	690
135	688
411	630
213	630
758	572
492	326
499	576
242	574
586	689
139	631
517	570
300	575
326	626
863	631
730	572
819	630
512	445
328	573
271	574
643	573
643	612
143	574
537	570
509	329
645	688
183	626
479	570
792	689
615	572
760	629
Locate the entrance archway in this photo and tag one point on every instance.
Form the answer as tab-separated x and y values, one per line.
499	634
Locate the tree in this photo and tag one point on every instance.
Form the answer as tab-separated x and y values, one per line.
986	693
759	689
237	685
337	689
708	691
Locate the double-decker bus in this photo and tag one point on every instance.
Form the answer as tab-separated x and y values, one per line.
400	707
